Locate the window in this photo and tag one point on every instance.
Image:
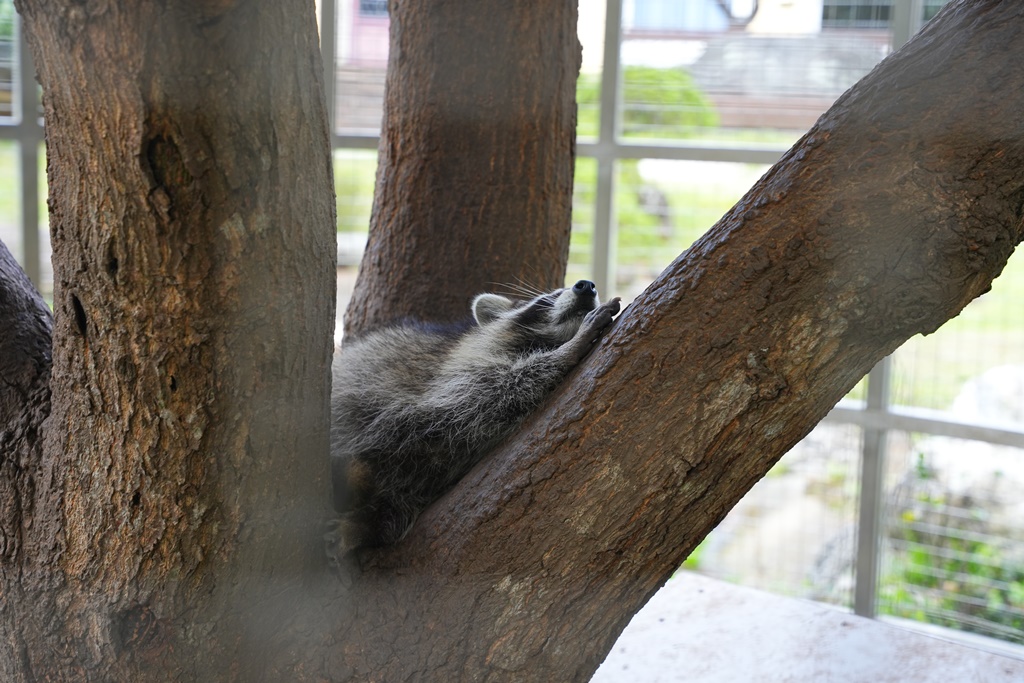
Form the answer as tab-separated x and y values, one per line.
930	8
373	8
856	14
869	14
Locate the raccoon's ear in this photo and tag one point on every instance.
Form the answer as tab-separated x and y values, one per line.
488	307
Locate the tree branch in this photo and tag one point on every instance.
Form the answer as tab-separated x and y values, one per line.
24	397
25	343
898	208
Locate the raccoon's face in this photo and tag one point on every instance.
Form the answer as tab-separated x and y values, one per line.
548	320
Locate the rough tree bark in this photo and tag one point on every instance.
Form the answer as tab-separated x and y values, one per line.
167	529
474	181
170	515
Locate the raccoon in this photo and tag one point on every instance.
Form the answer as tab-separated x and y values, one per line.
414	407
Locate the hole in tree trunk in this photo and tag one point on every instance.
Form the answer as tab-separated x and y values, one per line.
79	314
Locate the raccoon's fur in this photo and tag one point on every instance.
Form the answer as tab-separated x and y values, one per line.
414	407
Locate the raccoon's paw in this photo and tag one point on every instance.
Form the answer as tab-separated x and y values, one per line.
600	318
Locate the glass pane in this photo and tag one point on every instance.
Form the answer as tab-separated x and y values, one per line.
588	105
856	14
45	250
953	550
662	206
10	199
354	173
794	532
974	365
590	29
581	242
8	59
859	393
360	66
929	8
737	72
868	14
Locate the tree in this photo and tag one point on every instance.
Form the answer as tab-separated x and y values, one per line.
475	175
162	523
192	227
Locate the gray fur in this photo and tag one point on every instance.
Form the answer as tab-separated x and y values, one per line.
414	408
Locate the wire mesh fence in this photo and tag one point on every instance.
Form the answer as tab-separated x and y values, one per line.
953	548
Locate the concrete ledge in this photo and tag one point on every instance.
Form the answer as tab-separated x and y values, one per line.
700	630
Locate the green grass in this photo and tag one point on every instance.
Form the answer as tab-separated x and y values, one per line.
354	175
949	570
657	103
666	105
10	182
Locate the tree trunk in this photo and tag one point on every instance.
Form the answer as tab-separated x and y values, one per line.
177	497
475	172
183	468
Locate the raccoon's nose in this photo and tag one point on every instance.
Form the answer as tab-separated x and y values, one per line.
585	287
